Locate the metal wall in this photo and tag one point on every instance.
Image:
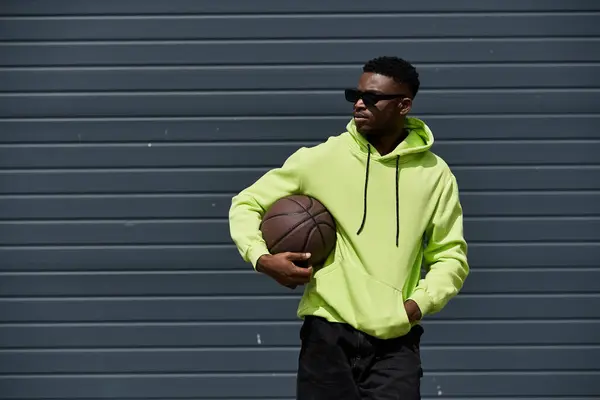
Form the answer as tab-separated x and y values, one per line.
126	126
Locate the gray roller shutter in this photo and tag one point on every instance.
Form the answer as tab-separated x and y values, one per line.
126	126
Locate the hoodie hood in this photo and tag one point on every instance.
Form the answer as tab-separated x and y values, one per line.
419	140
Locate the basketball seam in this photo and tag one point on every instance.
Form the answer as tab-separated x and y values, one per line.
284	213
327	224
283	235
307	239
313	218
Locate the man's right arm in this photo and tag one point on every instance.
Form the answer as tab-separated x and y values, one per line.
249	206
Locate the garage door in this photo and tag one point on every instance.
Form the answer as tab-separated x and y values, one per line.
126	126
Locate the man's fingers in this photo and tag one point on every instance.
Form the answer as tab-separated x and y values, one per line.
302	276
297	256
298	276
301	272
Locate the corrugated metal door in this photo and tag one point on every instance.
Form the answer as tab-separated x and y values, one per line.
126	126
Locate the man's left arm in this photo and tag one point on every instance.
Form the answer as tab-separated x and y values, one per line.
445	256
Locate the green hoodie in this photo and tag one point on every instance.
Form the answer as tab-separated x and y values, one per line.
394	214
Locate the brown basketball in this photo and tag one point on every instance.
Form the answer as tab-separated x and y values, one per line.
299	224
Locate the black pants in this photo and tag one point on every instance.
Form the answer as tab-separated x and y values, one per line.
338	362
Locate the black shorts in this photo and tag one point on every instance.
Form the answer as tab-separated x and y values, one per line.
339	362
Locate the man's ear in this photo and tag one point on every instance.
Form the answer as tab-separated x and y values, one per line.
405	106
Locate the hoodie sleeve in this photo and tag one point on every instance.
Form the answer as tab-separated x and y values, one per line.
248	207
445	255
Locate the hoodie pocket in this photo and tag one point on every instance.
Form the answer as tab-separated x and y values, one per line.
364	302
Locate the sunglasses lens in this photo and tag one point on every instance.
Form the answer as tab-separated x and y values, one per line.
369	99
352	95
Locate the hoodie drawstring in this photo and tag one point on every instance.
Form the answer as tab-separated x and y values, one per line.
364	218
397	200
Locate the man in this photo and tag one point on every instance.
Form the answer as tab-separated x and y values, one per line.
396	206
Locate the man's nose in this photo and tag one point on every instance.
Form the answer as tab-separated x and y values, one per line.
360	105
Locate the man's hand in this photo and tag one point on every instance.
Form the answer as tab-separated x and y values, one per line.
281	267
412	310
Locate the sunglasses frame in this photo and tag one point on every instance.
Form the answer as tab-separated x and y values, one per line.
369	98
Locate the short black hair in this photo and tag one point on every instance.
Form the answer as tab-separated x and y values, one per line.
396	68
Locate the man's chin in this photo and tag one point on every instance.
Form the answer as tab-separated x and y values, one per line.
364	129
362	126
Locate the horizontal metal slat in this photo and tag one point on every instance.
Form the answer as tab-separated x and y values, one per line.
233	180
568	281
193	104
299	128
282	308
163	258
217	206
145	7
302	51
466	76
152	7
300	26
270	385
216	232
258	360
157	155
260	334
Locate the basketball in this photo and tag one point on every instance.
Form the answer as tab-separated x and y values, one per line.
299	224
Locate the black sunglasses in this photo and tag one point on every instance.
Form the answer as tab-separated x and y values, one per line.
369	98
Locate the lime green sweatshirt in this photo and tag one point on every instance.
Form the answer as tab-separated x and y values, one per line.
394	213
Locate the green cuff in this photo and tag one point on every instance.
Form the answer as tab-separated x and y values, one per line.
255	252
423	300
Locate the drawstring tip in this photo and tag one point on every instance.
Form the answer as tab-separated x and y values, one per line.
360	229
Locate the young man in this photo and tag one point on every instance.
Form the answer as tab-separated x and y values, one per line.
397	208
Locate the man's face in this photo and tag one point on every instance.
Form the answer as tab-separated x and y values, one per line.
380	116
